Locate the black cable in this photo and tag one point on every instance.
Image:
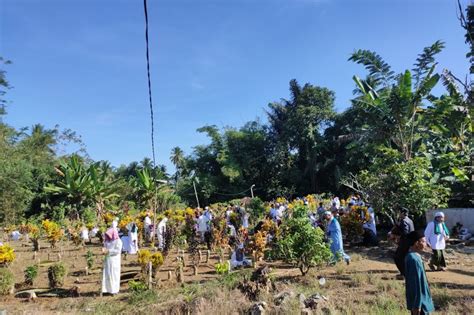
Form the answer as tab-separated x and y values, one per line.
149	84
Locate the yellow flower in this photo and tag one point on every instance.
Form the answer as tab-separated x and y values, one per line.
7	254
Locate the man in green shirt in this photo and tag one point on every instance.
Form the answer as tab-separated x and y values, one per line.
418	293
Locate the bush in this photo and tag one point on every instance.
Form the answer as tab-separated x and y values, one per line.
301	244
31	272
56	274
90	259
7	281
137	286
145	256
7	254
257	208
222	268
140	294
53	231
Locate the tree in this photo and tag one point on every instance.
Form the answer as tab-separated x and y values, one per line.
391	185
394	108
295	132
4	86
102	185
302	244
178	160
73	184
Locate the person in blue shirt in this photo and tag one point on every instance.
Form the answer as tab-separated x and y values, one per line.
334	233
418	295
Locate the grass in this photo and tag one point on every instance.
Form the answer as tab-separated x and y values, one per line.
143	297
357	280
388	286
441	297
387	304
340	269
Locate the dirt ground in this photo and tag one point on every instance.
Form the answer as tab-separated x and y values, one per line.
370	272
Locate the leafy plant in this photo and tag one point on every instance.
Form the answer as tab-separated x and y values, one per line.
90	259
7	254
222	268
145	256
137	286
351	222
302	244
56	275
31	272
53	232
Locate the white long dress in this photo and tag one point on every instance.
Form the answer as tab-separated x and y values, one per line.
111	274
160	232
85	235
133	246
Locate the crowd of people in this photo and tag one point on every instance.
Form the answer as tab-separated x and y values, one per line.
410	242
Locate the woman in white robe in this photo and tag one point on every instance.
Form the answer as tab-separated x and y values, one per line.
111	272
85	234
133	239
160	233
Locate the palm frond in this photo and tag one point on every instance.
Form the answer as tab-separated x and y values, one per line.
426	60
379	70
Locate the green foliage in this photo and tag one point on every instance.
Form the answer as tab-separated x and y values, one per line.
300	212
90	259
31	272
142	296
56	275
305	147
392	185
7	281
137	286
301	244
222	268
256	208
231	280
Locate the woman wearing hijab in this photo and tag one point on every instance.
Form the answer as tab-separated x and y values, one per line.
132	239
111	272
436	234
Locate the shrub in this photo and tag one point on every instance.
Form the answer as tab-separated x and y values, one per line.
56	274
137	286
53	232
7	281
31	272
257	208
222	268
302	244
90	259
351	223
7	254
145	256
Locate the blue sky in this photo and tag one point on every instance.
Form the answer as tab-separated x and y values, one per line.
81	64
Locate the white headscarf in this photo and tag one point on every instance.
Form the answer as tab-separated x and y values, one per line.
439	214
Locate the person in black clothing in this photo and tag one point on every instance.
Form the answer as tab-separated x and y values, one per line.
404	227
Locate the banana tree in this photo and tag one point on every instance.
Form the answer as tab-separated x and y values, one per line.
393	103
102	185
73	183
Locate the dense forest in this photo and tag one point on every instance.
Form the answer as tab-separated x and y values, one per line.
397	145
